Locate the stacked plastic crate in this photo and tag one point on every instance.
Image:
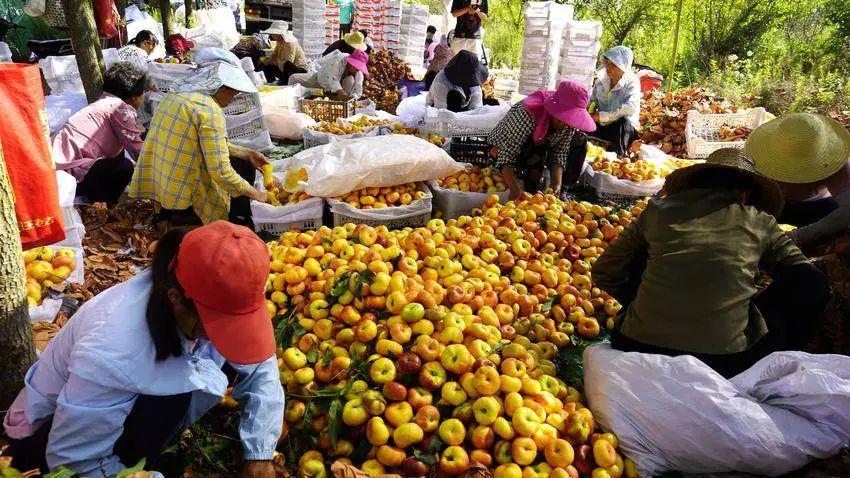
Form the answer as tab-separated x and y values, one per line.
544	30
391	28
579	52
331	23
414	27
308	25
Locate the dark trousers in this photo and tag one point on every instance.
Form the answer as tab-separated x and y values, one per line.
429	78
273	73
803	213
534	156
619	135
792	306
240	207
344	29
106	179
153	424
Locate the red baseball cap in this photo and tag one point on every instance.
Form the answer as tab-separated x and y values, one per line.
223	268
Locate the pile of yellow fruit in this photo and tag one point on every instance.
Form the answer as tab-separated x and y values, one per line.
632	168
436	139
344	127
433	347
475	180
379	198
45	267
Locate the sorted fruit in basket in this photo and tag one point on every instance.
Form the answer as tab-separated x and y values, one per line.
732	133
633	167
435	346
379	198
45	267
334	127
435	139
474	180
282	197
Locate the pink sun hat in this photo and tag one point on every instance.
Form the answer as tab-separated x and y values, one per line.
359	60
569	104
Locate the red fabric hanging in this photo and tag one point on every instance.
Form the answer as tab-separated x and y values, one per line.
106	17
26	150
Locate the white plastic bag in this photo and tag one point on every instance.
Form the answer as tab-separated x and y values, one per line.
62	74
281	96
75	229
411	111
380	161
676	413
476	122
284	123
67	185
265	215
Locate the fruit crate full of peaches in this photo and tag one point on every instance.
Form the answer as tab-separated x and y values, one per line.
706	133
396	207
422	351
326	109
466	190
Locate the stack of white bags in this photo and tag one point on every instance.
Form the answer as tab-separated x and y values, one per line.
308	26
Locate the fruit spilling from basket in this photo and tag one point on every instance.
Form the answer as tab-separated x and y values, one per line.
474	180
44	267
732	133
379	198
632	168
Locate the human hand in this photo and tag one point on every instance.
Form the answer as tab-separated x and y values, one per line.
258	469
257	195
256	158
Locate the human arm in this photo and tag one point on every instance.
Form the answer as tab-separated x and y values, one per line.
630	105
299	58
460	8
261	394
483	10
476	98
836	221
256	158
509	177
619	269
216	155
88	421
123	124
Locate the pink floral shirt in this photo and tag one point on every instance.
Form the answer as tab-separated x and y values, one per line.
101	130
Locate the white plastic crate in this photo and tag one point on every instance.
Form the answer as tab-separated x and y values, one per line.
301	216
582	33
702	130
470	123
453	203
415	214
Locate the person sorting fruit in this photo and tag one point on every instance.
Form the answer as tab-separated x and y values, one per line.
546	129
808	154
147	358
185	163
616	98
138	50
99	143
288	56
349	43
339	75
458	87
685	271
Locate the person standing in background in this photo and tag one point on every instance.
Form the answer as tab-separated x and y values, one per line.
468	32
430	44
346	16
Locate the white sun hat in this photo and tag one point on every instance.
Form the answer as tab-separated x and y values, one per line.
280	27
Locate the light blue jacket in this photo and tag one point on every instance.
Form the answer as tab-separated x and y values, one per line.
617	101
90	375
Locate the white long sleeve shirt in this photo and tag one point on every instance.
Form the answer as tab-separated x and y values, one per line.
617	101
329	76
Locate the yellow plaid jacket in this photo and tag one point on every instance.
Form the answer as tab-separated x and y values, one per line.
185	160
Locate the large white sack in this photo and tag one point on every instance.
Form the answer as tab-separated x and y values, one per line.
380	161
285	123
676	413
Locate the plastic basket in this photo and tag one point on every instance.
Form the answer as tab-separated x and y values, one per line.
702	130
474	150
301	216
415	214
244	125
326	110
453	203
242	103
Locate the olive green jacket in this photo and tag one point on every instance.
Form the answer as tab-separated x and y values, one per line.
685	271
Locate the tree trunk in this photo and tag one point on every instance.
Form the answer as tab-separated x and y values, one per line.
190	7
165	11
16	348
80	17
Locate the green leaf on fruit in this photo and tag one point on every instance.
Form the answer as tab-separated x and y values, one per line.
313	354
544	222
334	414
340	287
308	415
62	472
550	302
426	458
327	357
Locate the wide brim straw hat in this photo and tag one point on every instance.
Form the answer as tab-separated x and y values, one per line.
769	198
356	40
799	148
